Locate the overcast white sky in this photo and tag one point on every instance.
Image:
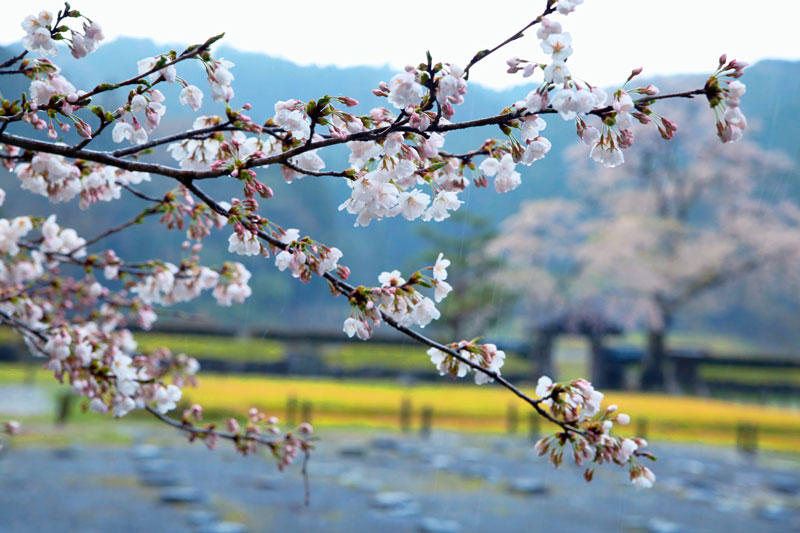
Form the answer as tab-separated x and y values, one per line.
610	36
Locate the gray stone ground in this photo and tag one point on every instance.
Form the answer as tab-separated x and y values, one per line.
387	483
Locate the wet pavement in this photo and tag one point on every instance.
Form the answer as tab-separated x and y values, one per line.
364	483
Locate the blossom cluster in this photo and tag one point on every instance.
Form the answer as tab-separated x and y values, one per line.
587	433
724	99
76	324
484	356
398	300
43	31
303	257
53	177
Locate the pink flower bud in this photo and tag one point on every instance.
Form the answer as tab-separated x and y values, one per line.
651	90
84	130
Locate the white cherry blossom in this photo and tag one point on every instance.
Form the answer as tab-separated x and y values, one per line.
405	91
166	398
192	96
244	243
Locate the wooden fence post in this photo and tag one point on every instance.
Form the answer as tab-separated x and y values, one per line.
291	410
426	422
405	415
305	412
641	427
64	408
512	419
534	429
747	438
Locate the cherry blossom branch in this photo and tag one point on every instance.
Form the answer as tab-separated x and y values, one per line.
203	432
99	157
237	438
59	19
136	269
400	151
347	289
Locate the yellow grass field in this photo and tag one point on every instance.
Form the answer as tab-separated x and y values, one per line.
483	409
462	407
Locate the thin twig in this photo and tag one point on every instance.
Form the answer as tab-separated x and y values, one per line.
201	432
139	194
549	8
105	87
116	229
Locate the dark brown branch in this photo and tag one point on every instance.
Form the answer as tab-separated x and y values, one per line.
464	157
282	158
97	157
342	174
171	138
11	61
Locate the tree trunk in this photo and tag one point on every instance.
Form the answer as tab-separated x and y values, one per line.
598	367
542	355
653	362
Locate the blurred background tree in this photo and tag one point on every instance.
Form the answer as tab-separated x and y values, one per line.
678	223
480	301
